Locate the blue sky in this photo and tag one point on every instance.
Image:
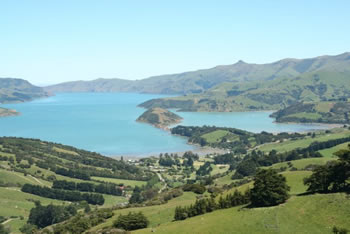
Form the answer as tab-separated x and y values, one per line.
48	42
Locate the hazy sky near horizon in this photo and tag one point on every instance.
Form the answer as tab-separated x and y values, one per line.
48	42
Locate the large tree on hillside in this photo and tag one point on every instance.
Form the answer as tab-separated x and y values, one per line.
333	177
269	189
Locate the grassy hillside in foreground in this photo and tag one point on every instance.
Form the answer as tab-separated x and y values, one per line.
304	214
35	162
319	112
235	220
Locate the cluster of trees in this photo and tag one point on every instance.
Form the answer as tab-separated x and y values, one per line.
5	158
82	222
196	188
228	158
167	160
202	206
332	177
42	216
73	173
131	221
64	195
105	188
144	193
205	169
189	158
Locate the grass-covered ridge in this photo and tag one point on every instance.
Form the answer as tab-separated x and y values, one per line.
319	112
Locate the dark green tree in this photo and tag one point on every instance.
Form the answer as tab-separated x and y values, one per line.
333	177
320	180
28	229
131	221
43	216
337	230
269	189
136	196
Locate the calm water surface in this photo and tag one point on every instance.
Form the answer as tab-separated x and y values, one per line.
105	123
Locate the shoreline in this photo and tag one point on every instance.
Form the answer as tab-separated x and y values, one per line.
201	151
328	125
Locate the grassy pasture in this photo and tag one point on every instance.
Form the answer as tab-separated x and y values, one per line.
156	214
131	183
304	214
314	116
215	136
20	178
13	202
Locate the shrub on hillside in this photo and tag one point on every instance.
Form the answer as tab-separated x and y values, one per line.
42	216
196	188
131	221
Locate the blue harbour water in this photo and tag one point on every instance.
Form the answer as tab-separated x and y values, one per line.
105	123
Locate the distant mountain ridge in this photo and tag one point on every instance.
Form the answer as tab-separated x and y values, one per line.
325	78
202	80
18	90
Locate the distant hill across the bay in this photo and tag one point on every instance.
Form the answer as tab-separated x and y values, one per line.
6	112
237	87
14	90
